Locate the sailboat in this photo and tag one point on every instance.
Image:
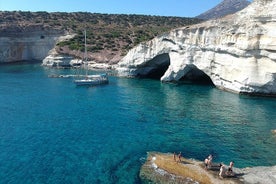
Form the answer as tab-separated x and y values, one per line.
90	80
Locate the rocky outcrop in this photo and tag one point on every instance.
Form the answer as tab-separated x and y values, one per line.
60	60
237	52
161	168
226	7
28	44
55	59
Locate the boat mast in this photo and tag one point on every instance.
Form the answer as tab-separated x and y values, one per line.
85	53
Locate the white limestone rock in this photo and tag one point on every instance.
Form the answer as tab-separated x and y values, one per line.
60	61
27	45
54	59
259	175
98	66
237	52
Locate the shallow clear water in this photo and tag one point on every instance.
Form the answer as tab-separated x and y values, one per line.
54	132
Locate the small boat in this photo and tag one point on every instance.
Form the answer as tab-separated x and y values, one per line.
59	76
90	80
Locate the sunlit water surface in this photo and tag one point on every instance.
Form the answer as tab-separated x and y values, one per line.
54	132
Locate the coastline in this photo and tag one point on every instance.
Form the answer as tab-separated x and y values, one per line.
161	168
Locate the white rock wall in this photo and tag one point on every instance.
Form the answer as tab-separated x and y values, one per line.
26	46
237	52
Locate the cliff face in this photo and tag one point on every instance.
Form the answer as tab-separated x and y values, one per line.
29	44
237	52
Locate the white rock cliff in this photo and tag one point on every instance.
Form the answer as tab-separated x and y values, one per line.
237	52
54	59
27	45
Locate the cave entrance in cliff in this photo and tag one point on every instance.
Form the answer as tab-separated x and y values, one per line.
196	76
157	67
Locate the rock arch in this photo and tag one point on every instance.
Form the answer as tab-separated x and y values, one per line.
236	52
156	67
195	75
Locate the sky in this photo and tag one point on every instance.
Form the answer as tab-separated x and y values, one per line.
179	8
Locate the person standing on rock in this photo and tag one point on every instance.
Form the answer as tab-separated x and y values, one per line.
179	156
221	171
206	161
230	169
210	158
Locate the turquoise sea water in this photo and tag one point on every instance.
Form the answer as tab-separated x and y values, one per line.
54	132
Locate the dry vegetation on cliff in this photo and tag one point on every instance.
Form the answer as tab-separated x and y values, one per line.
113	34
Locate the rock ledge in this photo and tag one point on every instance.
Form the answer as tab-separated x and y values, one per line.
161	168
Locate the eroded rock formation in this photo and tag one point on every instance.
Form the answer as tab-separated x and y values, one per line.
27	44
237	52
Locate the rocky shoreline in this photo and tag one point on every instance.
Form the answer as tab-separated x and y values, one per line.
162	168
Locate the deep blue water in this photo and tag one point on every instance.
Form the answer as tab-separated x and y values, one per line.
54	132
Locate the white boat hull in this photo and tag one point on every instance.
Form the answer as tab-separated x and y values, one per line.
92	80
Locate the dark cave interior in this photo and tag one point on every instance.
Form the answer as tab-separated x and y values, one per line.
161	63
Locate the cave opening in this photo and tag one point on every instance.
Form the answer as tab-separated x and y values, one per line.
157	67
196	76
158	72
